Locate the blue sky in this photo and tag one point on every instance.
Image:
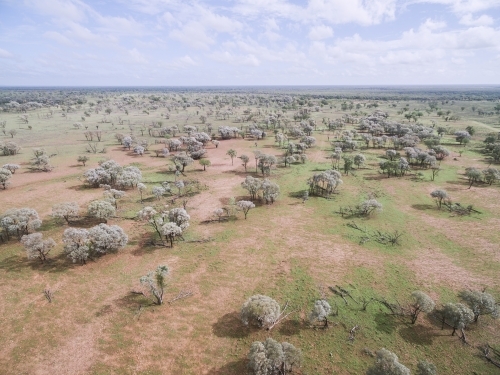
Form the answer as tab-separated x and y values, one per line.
249	42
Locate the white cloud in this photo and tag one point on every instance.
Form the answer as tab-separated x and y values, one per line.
137	56
58	37
5	54
193	34
483	20
229	58
320	32
464	6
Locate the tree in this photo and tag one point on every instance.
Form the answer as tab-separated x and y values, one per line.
272	358
20	221
440	196
253	185
142	188
245	206
359	160
348	163
244	159
158	191
5	175
11	167
270	191
101	210
421	303
205	163
426	368
324	183
83	159
471	130
171	230
320	312
473	175
112	195
491	175
76	244
369	206
232	155
67	211
82	244
156	283
481	303
182	160
265	163
462	136
457	315
105	239
36	247
387	364
260	311
41	161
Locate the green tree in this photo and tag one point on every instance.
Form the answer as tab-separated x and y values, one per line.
232	155
156	282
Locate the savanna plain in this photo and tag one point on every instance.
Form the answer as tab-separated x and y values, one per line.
336	203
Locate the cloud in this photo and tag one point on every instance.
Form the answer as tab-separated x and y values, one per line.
228	58
58	37
320	32
464	6
137	57
483	20
5	54
194	35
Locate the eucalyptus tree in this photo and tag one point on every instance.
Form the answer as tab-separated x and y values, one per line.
481	303
369	206
36	247
474	175
253	185
11	167
158	191
324	183
320	312
440	196
112	196
101	209
67	211
232	154
20	221
462	136
359	160
421	303
244	159
426	368
205	163
270	191
142	188
491	175
273	358
260	311
83	159
5	176
182	160
387	364
156	282
245	206
266	162
457	315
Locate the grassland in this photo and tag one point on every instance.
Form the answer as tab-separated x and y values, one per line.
291	251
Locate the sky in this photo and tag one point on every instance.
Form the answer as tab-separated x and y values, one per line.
248	42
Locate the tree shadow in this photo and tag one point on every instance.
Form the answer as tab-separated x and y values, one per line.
377	177
16	263
417	334
290	327
230	325
423	207
236	367
132	301
385	323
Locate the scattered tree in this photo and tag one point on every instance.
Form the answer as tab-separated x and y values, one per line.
457	315
421	303
205	163
67	211
481	303
156	283
440	196
245	206
260	311
5	175
83	159
232	155
320	312
36	247
272	358
387	364
20	221
426	368
101	210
